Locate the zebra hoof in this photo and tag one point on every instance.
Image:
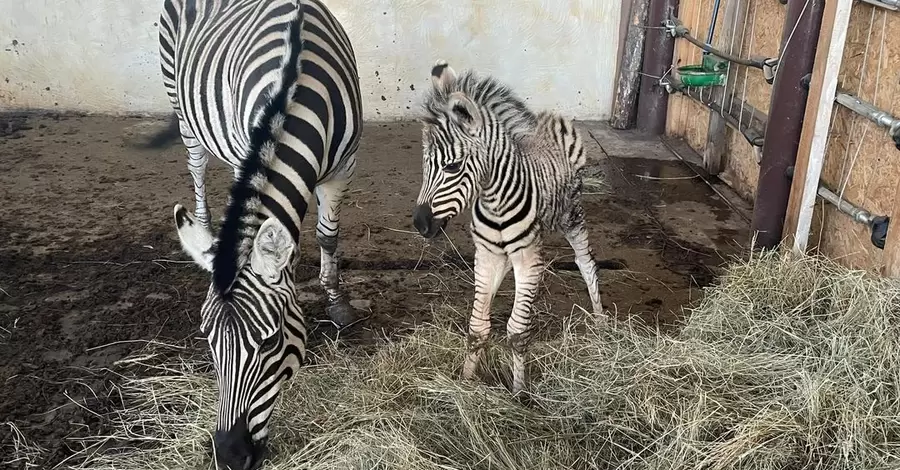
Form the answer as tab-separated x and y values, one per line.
341	313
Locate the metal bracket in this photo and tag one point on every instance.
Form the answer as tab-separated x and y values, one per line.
673	29
880	230
770	69
667	85
805	81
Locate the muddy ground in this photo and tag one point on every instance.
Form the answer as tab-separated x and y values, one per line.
90	267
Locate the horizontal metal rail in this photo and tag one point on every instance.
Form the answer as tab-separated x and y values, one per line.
886	4
755	121
867	110
877	224
677	29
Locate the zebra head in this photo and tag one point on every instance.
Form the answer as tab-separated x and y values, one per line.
256	336
454	150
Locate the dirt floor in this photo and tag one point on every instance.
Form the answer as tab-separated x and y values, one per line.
91	270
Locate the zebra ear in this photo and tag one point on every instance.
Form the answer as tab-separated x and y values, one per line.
272	249
442	75
464	112
196	240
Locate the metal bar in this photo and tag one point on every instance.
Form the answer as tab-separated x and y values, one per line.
857	214
755	120
869	111
877	224
678	30
716	142
886	4
653	100
712	22
799	39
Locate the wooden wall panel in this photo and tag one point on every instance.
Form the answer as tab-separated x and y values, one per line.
760	35
861	161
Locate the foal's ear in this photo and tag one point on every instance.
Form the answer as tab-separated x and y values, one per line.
442	75
464	112
196	240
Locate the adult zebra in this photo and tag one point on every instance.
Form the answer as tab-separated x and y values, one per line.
271	87
521	173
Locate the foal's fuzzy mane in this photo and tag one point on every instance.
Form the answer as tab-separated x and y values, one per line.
487	93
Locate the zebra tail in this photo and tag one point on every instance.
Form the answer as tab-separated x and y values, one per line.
165	137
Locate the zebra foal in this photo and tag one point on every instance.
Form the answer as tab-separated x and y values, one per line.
272	88
521	174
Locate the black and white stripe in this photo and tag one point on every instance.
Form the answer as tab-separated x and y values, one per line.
521	173
271	87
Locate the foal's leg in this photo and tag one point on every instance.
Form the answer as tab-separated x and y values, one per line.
490	269
577	236
528	268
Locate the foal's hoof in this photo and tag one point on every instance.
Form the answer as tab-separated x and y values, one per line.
341	313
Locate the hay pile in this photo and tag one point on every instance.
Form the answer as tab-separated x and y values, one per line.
788	364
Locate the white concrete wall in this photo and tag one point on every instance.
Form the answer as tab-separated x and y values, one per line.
101	55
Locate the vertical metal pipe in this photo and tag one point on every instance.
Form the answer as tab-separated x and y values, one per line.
712	22
653	101
788	105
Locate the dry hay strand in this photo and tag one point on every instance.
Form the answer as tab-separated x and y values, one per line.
21	452
788	363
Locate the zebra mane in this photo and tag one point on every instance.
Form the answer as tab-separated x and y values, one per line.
241	221
486	92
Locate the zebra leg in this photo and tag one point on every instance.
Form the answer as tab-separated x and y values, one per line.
490	269
198	158
329	195
577	236
528	268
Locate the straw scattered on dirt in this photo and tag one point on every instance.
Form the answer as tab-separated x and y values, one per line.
788	363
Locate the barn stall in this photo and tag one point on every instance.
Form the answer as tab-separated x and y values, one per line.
718	356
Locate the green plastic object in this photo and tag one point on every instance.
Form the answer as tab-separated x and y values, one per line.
697	76
712	63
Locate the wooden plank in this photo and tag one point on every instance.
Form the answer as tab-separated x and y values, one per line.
716	143
625	101
814	137
891	256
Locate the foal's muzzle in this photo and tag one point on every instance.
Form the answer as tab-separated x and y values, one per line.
425	222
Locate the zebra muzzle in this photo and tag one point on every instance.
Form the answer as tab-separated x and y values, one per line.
425	222
236	450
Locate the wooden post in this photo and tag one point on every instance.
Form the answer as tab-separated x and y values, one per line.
891	256
714	153
816	122
629	82
799	40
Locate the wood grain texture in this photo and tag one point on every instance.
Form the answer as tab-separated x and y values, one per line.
818	116
733	20
628	82
861	162
758	36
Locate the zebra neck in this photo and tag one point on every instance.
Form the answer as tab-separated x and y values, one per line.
286	200
510	173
